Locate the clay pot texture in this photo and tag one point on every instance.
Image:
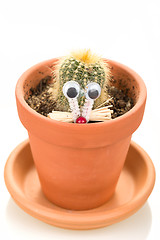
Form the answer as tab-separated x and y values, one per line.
79	164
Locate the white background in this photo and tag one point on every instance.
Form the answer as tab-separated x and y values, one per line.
125	31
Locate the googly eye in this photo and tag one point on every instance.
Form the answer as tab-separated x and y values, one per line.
93	91
71	89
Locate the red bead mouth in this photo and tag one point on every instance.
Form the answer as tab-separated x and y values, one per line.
81	120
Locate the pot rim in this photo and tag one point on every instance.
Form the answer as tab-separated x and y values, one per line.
140	100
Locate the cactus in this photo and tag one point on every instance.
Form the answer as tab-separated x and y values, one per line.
82	67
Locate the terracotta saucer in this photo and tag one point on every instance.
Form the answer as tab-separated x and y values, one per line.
134	187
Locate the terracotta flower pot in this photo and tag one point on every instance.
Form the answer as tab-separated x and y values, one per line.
79	164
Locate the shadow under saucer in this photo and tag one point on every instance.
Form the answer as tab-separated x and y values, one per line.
135	227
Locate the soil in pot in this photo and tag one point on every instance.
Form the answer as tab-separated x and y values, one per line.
41	99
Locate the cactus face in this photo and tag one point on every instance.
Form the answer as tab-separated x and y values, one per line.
72	68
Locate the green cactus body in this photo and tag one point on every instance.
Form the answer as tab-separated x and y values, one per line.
78	70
